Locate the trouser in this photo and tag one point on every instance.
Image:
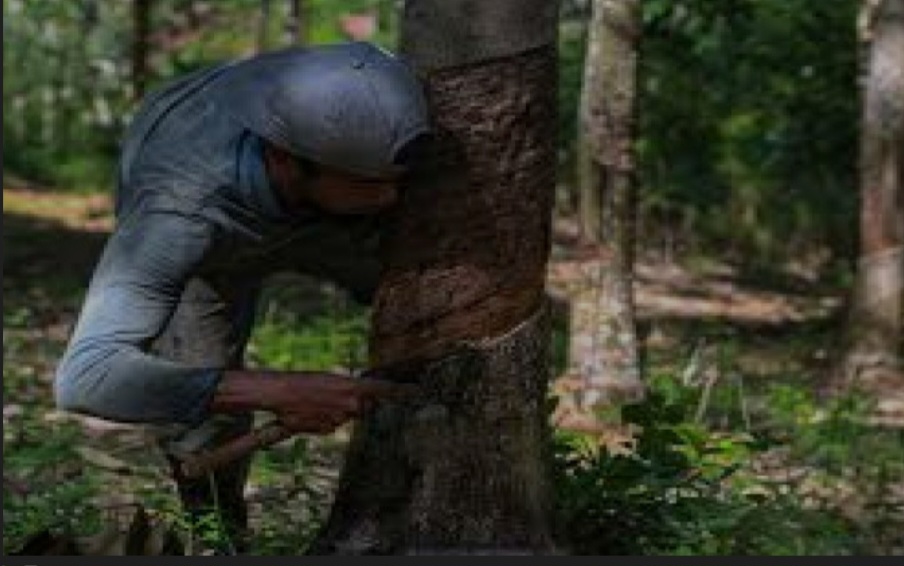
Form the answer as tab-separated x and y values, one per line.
210	328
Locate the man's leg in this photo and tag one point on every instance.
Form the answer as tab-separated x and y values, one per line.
211	327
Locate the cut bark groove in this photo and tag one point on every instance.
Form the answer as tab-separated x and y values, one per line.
456	473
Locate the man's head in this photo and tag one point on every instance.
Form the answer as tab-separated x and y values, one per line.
350	107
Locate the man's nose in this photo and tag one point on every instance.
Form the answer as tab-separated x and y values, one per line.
390	195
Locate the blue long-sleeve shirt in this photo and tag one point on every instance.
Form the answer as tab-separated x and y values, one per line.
192	201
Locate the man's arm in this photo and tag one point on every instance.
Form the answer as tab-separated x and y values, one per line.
135	289
302	401
107	372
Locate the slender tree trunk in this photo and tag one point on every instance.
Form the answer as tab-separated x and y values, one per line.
604	361
19	106
48	115
141	28
465	471
295	23
387	17
875	346
80	72
263	25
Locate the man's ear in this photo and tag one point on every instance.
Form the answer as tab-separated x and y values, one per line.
279	158
282	166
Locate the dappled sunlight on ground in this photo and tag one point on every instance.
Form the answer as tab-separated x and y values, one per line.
83	212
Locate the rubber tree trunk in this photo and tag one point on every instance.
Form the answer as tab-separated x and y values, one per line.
603	358
876	325
465	471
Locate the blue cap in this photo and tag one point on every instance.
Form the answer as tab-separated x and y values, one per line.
350	106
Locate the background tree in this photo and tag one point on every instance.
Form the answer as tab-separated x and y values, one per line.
603	357
465	268
263	25
141	30
747	138
876	325
296	23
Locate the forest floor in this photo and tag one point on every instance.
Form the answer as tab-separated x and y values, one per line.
770	340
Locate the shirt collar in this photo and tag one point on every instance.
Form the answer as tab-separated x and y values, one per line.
253	183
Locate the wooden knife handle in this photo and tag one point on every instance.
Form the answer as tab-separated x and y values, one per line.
197	465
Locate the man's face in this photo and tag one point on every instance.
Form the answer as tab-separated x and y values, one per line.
329	189
342	193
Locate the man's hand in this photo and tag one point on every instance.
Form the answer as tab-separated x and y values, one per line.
305	402
321	403
302	402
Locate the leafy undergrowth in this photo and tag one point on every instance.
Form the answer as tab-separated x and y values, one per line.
799	478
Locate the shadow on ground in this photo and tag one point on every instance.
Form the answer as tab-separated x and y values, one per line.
46	269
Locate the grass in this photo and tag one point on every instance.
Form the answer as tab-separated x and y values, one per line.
44	487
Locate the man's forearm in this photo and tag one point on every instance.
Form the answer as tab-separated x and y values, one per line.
253	390
302	401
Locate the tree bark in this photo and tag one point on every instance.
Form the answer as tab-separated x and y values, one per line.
465	470
141	29
875	345
603	356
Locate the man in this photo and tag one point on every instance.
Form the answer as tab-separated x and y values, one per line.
280	161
